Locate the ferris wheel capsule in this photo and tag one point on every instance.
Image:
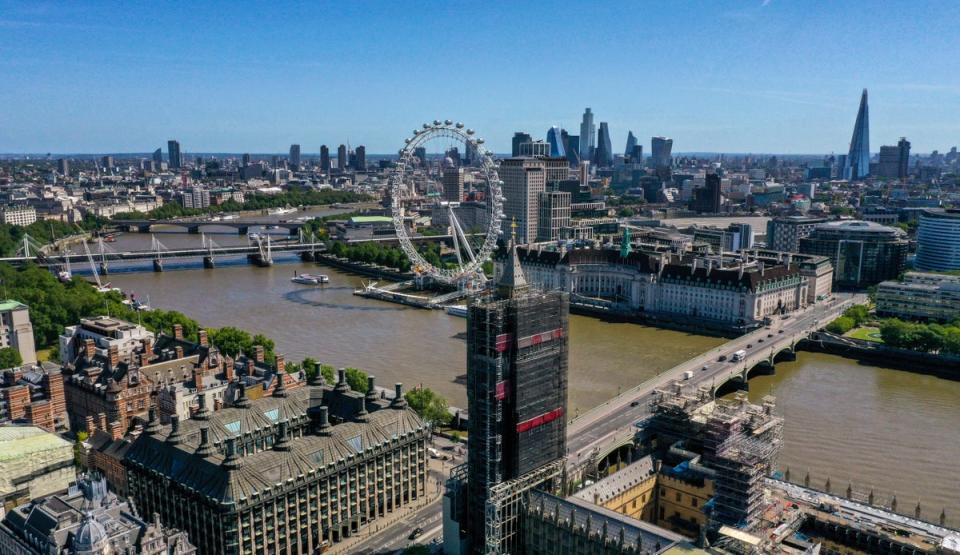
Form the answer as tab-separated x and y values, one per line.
426	126
447	122
470	131
459	125
416	131
436	122
407	140
480	141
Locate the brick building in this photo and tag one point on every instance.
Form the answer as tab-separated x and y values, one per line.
34	394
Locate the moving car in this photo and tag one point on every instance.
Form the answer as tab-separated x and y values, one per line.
415	534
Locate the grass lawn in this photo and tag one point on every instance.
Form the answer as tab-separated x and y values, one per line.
44	354
868	334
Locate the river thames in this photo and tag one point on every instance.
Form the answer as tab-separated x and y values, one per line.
893	431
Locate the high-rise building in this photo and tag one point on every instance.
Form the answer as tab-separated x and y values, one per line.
631	144
16	330
342	157
554	214
571	145
295	157
857	164
158	157
556	142
604	151
517	399
519	138
538	148
588	136
453	184
894	161
245	160
660	152
938	240
420	153
523	181
784	233
707	199
173	155
324	159
863	253
107	162
360	159
63	167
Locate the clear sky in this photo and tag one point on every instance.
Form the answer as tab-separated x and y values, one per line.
752	76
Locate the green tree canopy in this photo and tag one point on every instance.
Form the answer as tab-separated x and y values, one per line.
429	405
9	358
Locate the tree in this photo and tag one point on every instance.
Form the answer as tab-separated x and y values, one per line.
10	357
417	550
357	379
430	406
897	333
858	313
841	325
309	366
230	340
329	373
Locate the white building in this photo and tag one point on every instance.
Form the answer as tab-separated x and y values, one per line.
105	332
16	331
920	296
196	197
735	292
18	215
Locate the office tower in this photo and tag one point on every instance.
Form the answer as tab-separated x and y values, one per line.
452	154
295	157
571	145
324	159
275	162
588	135
903	148
523	181
604	151
858	160
421	154
707	198
63	167
245	160
517	398
538	149
660	148
453	184
636	155
554	214
555	142
470	156
938	240
631	144
175	159
107	162
17	330
519	138
342	158
863	253
158	158
360	159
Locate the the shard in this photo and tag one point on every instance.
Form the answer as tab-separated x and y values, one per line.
857	165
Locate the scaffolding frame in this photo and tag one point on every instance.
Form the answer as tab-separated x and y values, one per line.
505	504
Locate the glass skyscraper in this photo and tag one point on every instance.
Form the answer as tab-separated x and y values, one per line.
604	146
588	136
858	160
556	143
631	144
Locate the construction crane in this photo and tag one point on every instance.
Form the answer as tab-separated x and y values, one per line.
96	275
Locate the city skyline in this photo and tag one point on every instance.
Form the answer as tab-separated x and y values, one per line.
238	93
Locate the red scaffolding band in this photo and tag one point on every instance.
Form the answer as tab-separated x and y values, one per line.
539	420
539	338
503	342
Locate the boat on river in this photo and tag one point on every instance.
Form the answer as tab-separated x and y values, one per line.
310	279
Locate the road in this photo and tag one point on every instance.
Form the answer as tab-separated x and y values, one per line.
613	421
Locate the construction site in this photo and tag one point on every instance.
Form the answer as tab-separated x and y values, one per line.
707	471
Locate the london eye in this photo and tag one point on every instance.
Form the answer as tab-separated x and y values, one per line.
459	190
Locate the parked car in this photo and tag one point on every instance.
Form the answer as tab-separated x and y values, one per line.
415	534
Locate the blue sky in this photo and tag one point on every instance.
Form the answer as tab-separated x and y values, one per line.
752	76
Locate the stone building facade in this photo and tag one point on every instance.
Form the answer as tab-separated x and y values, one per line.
292	472
726	291
87	520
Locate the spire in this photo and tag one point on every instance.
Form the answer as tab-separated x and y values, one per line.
512	278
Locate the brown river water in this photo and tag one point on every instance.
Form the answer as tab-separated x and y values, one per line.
896	432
